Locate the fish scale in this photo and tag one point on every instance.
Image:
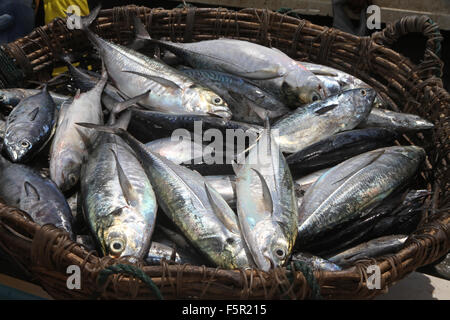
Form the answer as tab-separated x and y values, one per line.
345	191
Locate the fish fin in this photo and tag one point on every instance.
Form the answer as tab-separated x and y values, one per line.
127	189
162	81
31	192
123	120
121	106
140	29
325	109
84	138
218	212
252	104
324	73
33	114
86	21
267	196
263	74
236	167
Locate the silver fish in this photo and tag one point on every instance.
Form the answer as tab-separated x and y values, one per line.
315	262
192	205
70	144
397	121
274	70
26	189
225	186
30	126
371	249
247	102
118	200
349	189
178	151
319	120
170	90
12	97
159	251
266	203
337	81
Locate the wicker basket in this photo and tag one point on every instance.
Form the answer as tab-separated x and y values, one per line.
44	253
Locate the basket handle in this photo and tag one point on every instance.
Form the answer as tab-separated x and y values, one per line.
416	24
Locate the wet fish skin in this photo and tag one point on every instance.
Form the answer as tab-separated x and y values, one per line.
344	192
242	96
159	251
371	249
266	204
69	147
150	125
26	189
225	185
397	214
270	68
29	126
130	72
338	81
122	226
340	147
315	262
12	96
182	195
178	151
316	121
402	122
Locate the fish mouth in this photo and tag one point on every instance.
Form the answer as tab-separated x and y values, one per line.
221	113
13	154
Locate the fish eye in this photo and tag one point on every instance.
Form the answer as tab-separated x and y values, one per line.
25	143
315	97
280	253
2	97
116	247
72	179
217	100
363	92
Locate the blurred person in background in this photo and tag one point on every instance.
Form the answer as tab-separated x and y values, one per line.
16	19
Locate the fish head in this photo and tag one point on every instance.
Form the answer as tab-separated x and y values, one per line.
125	235
204	101
300	91
17	145
272	247
8	99
65	170
362	99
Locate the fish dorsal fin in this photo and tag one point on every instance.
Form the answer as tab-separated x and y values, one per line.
267	196
212	197
325	109
31	192
140	29
162	81
32	115
127	189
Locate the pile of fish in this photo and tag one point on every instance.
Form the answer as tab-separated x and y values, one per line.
323	181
